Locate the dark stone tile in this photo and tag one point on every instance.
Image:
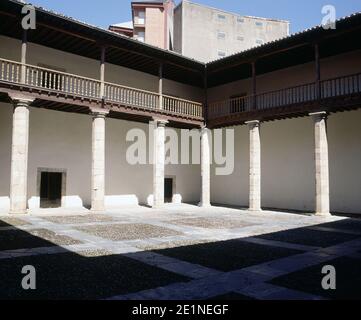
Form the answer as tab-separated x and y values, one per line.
309	237
95	275
232	296
228	255
344	225
348	278
18	239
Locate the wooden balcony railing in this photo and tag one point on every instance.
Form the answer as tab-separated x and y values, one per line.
181	106
311	92
131	97
65	83
10	71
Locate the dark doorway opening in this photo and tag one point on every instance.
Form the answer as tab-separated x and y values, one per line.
50	189
168	190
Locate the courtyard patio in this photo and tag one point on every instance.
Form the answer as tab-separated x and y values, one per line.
179	252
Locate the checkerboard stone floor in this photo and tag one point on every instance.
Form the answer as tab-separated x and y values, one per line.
179	252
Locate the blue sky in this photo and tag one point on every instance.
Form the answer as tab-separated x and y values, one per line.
302	13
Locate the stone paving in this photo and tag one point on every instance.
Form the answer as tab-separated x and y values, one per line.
179	252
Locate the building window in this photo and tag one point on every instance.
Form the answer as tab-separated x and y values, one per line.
141	36
240	20
259	41
259	24
221	17
141	17
221	54
221	35
240	38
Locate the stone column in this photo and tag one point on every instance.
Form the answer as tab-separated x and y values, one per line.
158	162
205	167
19	156
321	164
255	166
98	161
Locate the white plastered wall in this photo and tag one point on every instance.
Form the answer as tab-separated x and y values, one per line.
62	141
288	178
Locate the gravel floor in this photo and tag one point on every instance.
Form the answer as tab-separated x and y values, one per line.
128	231
98	274
212	223
8	222
38	238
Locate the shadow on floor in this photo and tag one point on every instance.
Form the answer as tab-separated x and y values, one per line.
100	274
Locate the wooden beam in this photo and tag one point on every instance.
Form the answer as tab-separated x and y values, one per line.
277	51
205	90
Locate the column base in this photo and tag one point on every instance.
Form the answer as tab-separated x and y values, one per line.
159	206
97	211
204	205
255	209
18	212
324	214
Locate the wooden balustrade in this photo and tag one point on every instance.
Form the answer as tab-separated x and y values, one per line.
341	86
230	106
10	71
52	80
181	106
285	97
131	97
63	82
331	88
56	81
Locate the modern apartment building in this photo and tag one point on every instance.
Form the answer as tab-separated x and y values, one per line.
152	22
189	28
207	34
70	93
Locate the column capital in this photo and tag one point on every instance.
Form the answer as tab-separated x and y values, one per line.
98	113
159	122
253	123
319	115
21	99
102	44
204	128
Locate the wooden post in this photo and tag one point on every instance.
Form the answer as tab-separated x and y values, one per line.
24	43
160	90
254	86
318	72
205	106
102	72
